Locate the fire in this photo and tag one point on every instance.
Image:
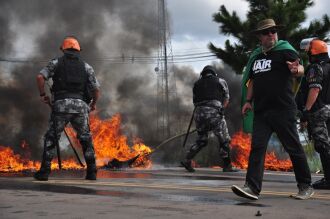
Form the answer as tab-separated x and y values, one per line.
109	144
144	152
241	146
10	162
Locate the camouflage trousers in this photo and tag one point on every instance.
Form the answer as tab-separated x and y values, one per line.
80	123
319	125
210	119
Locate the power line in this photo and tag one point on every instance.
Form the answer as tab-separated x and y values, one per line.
133	59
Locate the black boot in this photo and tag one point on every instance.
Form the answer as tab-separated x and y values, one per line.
91	172
321	184
42	174
325	160
227	167
44	171
91	175
89	155
187	164
230	168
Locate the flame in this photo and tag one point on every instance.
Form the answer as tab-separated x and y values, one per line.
10	162
241	146
144	152
108	141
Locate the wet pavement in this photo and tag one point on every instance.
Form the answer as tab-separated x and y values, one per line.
156	193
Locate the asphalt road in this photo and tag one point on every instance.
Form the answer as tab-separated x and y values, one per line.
157	193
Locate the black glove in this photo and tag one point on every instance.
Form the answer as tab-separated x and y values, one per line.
304	115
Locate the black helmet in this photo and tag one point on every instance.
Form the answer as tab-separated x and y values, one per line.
208	70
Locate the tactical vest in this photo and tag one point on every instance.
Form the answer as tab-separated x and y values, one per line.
325	92
207	88
70	78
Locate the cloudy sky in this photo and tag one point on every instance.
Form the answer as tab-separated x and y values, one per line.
193	28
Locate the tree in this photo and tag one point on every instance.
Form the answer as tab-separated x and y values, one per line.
290	13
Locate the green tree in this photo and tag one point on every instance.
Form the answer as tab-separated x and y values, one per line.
290	13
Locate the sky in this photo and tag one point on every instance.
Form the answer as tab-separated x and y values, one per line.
192	24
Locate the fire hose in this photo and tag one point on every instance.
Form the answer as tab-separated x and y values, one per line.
172	138
179	135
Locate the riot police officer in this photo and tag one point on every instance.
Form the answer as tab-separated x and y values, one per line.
210	97
317	103
75	92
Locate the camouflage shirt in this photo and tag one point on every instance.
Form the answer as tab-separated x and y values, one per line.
70	105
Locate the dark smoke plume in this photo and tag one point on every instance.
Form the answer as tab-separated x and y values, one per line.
34	30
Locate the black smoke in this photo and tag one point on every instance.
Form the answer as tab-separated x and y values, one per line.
34	29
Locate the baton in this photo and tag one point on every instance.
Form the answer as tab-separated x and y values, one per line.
74	150
191	120
59	161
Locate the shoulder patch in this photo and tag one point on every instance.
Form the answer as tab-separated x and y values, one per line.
311	73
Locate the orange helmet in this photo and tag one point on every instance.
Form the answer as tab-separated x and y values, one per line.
70	43
318	47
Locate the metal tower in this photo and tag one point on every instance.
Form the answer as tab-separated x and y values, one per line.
166	87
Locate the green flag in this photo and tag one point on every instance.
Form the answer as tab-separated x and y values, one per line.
248	118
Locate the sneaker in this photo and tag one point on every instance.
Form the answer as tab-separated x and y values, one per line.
321	184
41	176
230	168
244	192
304	193
187	165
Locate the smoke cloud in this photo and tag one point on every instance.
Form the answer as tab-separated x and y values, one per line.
125	29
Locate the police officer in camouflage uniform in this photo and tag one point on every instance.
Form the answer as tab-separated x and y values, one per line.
75	91
210	97
317	103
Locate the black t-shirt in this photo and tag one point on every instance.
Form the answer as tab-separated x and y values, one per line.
272	81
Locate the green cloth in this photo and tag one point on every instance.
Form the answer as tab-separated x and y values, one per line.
248	118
